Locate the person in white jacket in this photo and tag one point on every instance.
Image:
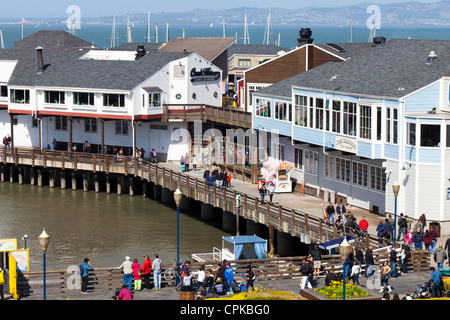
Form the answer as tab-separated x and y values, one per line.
157	268
201	276
356	271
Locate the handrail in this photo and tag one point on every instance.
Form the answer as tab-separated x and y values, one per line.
290	220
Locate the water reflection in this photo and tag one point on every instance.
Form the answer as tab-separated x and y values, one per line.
104	227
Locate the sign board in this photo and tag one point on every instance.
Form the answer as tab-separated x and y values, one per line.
346	144
22	259
8	244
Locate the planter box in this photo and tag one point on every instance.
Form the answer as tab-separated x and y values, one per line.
310	294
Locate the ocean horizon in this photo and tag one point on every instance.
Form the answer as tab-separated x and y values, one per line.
282	35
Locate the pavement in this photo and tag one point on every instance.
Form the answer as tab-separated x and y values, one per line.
401	284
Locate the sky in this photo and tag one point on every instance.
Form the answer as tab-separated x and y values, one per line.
102	8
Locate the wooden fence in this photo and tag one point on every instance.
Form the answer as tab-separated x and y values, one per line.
310	228
111	279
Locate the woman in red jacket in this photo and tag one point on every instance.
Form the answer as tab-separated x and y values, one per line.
146	270
363	224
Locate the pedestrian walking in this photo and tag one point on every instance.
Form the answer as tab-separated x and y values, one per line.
157	268
262	191
402	224
146	271
330	212
229	277
393	261
250	277
436	278
417	238
384	276
127	268
440	256
137	274
201	276
85	267
186	162
271	190
369	261
356	271
305	270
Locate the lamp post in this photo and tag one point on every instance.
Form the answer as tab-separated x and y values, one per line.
344	251
44	239
395	189
177	197
238	203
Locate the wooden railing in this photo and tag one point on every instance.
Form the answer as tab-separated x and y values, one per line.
291	221
191	112
111	279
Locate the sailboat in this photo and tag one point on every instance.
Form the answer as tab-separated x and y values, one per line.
113	33
156	33
223	28
246	35
211	25
167	32
2	44
148	35
268	31
129	37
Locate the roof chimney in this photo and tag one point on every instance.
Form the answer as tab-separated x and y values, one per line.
140	52
432	56
379	40
40	59
305	37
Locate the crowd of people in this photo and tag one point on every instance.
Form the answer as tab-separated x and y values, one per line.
215	176
211	283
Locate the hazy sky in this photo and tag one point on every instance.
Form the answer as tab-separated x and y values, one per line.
100	8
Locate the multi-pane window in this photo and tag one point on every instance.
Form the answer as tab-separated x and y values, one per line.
19	96
90	125
377	178
83	98
411	134
298	158
379	122
262	108
349	118
251	89
122	127
388	125
311	112
154	100
301	110
113	100
319	113
3	91
342	169
55	97
61	123
245	63
395	126
283	111
336	116
365	122
329	166
311	161
360	174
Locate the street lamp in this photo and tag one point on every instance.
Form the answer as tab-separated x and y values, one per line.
344	251
395	189
238	203
44	239
177	195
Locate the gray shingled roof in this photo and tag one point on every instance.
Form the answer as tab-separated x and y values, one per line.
51	39
63	68
392	70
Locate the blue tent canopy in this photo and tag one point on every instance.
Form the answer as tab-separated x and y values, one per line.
238	242
335	243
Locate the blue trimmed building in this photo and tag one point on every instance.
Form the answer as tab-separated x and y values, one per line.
353	128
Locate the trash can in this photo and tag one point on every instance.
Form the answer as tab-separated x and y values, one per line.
436	227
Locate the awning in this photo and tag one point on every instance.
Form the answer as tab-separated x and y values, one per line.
152	89
335	243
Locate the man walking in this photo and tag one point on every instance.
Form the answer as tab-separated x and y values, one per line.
401	227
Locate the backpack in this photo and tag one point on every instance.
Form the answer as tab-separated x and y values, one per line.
80	270
219	289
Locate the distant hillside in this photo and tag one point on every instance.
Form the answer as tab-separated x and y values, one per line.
397	14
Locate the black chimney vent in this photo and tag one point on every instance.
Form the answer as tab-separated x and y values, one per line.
305	37
140	52
379	40
40	59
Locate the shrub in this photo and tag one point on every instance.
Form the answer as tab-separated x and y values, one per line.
335	290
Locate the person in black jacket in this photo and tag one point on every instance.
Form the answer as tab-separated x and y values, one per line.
317	260
402	224
305	270
369	262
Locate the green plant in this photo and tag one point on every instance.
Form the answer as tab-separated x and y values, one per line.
335	290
